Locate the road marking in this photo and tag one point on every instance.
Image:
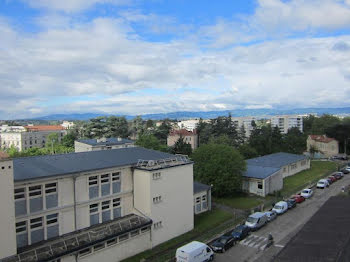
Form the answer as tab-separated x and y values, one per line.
279	246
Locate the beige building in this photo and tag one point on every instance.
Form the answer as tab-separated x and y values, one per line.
325	145
84	145
29	137
201	198
93	206
284	123
264	175
188	136
246	122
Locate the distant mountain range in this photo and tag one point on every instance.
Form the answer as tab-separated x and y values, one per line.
208	114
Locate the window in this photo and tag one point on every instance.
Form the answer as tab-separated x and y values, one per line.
84	252
293	166
134	233
105	185
93	187
198	204
94	214
20	201
116	182
260	185
156	176
35	198
157	225
144	230
36	230
106	211
99	246
52	225
157	199
112	242
116	208
204	202
21	234
124	237
51	195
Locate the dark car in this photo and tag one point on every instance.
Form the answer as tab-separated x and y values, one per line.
240	232
345	171
291	203
223	243
330	181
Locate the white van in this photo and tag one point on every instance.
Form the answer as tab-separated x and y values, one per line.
280	207
256	220
194	252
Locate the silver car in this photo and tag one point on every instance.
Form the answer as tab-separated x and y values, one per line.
271	215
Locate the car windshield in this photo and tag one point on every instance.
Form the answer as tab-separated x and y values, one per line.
252	219
237	230
278	207
321	182
306	191
223	240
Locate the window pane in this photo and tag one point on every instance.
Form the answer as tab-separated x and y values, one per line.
94	219
20	207
105	189
36	204
52	231
116	187
106	216
51	201
93	192
37	235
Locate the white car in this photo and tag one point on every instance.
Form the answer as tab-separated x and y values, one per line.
280	207
307	192
322	183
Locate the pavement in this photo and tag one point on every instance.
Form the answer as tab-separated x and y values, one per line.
283	228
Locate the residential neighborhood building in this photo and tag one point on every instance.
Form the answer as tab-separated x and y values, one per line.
67	124
83	145
245	122
102	205
189	124
29	136
327	146
189	137
201	198
284	123
265	174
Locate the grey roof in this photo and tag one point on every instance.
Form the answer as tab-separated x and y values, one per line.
325	237
55	165
275	160
199	187
260	172
109	141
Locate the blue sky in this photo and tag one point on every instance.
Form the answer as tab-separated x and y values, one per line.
136	56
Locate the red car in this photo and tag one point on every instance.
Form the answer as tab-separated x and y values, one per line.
332	178
298	198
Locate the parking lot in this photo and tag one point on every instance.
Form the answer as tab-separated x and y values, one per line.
282	228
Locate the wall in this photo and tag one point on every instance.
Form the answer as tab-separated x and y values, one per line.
192	140
296	167
7	216
273	183
81	147
205	204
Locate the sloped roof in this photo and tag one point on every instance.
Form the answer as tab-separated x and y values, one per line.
277	160
4	155
259	172
322	138
55	165
44	128
108	142
199	187
183	132
325	237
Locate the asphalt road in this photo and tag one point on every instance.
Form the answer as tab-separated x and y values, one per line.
283	228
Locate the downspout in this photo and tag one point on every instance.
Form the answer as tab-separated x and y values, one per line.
75	203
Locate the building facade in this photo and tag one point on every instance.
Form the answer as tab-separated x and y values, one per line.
201	198
188	137
84	145
101	205
327	146
284	123
30	137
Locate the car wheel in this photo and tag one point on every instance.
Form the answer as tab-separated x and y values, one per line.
223	250
211	258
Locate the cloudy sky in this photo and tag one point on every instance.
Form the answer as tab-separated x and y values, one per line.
152	56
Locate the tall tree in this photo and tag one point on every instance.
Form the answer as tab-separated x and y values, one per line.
116	127
294	141
340	132
181	147
221	166
151	142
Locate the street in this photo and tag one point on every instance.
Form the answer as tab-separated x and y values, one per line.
283	228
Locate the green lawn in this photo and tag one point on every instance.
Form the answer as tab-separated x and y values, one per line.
240	202
318	170
203	223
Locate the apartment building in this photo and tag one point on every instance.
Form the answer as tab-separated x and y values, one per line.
284	123
245	122
327	146
188	137
83	145
93	206
29	136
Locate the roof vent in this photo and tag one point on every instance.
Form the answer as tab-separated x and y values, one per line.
151	163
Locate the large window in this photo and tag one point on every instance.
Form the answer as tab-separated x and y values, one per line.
105	211
104	185
35	198
51	195
20	201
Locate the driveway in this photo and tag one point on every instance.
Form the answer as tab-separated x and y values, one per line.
283	228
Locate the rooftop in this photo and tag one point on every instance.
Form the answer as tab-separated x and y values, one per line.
322	138
325	237
43	128
182	132
75	241
106	141
56	165
277	160
199	187
260	172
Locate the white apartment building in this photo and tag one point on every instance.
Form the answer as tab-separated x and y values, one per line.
246	122
93	206
29	137
284	123
67	124
83	145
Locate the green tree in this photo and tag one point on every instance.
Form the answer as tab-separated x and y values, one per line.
294	141
163	130
181	147
51	142
150	142
68	140
204	131
116	127
247	151
219	165
340	132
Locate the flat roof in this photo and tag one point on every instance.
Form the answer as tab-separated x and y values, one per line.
259	172
27	168
275	160
107	142
325	237
199	187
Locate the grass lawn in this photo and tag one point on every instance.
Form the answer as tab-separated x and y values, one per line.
202	223
317	171
240	202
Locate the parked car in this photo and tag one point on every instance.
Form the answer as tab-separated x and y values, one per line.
338	175
240	232
280	207
271	215
298	198
332	178
322	183
291	203
256	220
330	181
347	168
194	252
339	157
223	243
307	193
345	171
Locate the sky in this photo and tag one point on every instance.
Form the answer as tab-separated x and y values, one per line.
132	57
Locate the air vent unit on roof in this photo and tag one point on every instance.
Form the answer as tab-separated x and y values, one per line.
151	163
